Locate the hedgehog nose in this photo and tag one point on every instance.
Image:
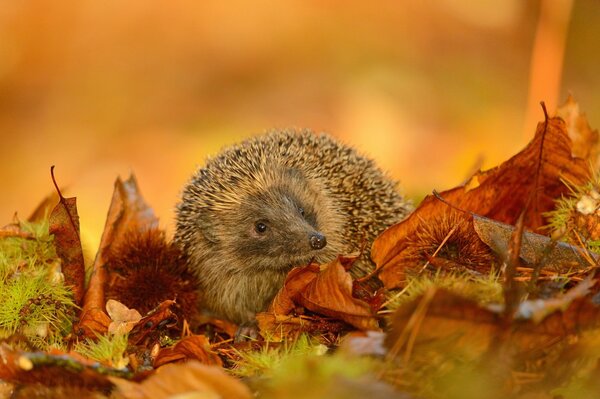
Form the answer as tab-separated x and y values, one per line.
317	240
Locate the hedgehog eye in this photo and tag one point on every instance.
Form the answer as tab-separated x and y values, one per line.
260	227
301	210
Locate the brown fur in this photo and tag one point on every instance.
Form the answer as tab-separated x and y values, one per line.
299	184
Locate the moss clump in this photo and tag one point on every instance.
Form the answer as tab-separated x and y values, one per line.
33	299
107	349
270	357
576	217
305	369
483	289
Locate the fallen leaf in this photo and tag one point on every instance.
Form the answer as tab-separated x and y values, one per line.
195	347
557	256
330	294
325	290
64	225
54	369
296	281
535	176
159	318
123	318
585	140
191	379
127	211
535	325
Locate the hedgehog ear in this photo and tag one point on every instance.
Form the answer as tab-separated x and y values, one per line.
207	230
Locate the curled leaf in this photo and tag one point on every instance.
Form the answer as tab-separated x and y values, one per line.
330	294
123	318
179	380
64	225
534	176
127	211
195	347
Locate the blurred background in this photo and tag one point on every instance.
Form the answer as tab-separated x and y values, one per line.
431	89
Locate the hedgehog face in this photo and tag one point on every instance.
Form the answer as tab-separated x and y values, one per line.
277	229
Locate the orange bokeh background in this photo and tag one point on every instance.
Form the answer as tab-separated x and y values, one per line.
431	89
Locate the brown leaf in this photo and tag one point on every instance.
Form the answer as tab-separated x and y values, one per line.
127	211
191	378
64	225
586	143
326	290
537	324
534	175
296	281
330	294
53	369
123	318
558	256
160	317
195	347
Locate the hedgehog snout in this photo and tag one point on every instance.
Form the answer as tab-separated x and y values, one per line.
317	240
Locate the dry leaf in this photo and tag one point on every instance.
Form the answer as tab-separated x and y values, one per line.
585	140
558	256
127	211
325	290
533	176
160	317
330	294
123	318
195	347
536	325
296	280
179	380
54	369
64	225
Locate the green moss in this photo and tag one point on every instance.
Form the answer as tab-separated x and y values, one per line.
107	349
483	289
305	369
20	255
562	220
33	300
270	357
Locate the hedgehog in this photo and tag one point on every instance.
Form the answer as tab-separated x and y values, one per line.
273	202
